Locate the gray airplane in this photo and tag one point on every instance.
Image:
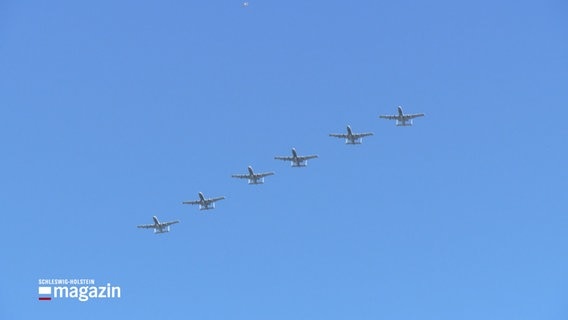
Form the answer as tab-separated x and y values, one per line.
350	137
401	118
159	227
253	178
204	204
296	160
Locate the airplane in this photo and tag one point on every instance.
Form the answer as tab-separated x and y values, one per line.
297	161
350	137
253	178
204	204
159	227
401	118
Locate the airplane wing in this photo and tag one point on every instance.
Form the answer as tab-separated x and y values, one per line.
412	116
147	226
191	202
240	176
284	158
361	135
304	158
338	135
169	223
264	174
216	199
388	117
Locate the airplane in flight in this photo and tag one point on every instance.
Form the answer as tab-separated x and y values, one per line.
159	227
253	178
204	204
296	160
401	118
350	137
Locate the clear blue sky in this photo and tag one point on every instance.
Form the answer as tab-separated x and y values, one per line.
114	111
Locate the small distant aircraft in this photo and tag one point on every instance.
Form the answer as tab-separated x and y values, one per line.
401	118
297	161
253	178
204	204
159	227
245	4
350	137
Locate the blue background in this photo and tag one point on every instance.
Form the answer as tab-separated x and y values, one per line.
115	111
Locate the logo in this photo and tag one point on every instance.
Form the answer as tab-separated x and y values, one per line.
78	289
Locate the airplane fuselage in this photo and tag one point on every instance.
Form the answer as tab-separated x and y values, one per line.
253	179
204	204
402	121
401	117
351	138
297	162
158	228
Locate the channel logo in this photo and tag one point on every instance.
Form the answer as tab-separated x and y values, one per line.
78	289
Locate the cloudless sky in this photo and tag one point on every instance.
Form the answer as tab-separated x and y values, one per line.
115	111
